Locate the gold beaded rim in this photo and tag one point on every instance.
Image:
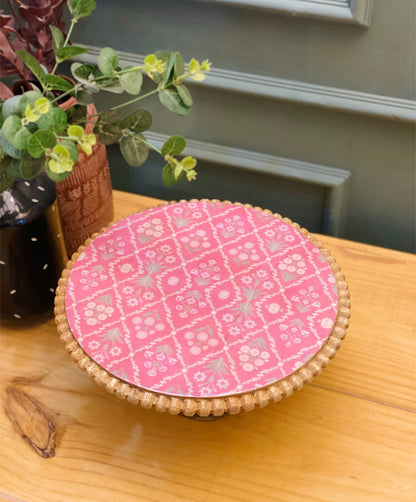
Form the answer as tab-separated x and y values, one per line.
209	407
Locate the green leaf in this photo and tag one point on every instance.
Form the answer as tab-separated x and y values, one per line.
138	121
11	106
185	95
29	98
168	176
107	116
107	61
173	102
169	60
69	52
169	67
82	71
15	132
31	167
173	146
6	175
81	8
177	171
99	81
72	149
15	169
9	148
85	74
179	65
9	172
21	138
57	38
111	85
4	160
131	82
84	97
76	114
32	63
108	133
56	83
6	181
56	176
134	151
55	121
39	141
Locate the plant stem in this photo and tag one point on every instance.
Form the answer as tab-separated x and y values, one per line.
68	35
129	70
134	100
55	67
151	146
66	93
14	13
12	30
126	103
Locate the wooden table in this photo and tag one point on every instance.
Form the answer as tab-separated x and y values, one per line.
349	436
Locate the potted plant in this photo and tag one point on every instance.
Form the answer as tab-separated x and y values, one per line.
48	122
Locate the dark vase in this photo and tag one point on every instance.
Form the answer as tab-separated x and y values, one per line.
32	251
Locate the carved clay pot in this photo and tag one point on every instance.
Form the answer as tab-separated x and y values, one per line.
85	197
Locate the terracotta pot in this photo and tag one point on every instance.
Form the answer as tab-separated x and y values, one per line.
85	197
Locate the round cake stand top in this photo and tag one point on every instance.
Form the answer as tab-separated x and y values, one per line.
202	307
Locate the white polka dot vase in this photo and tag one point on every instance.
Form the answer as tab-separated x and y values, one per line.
32	250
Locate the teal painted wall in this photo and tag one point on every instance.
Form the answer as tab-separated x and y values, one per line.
368	67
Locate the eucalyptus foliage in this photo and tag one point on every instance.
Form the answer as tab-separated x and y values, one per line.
35	133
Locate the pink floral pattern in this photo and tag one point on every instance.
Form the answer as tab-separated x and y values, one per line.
201	299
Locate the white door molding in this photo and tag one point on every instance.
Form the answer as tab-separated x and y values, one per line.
348	11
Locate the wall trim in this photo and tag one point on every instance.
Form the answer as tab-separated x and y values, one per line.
334	98
347	11
333	179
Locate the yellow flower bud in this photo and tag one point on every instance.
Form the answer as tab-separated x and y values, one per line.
195	70
31	114
60	160
205	65
91	139
42	105
188	163
87	144
153	65
86	147
76	131
191	175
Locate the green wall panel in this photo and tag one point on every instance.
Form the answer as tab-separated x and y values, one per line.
348	63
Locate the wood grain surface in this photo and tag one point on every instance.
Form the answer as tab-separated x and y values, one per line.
350	435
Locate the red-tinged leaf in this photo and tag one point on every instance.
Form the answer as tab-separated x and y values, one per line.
45	41
34	19
39	10
5	92
9	62
6	48
6	20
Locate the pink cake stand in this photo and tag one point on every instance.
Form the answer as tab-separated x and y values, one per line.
202	307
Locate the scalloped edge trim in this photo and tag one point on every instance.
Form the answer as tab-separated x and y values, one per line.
208	407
